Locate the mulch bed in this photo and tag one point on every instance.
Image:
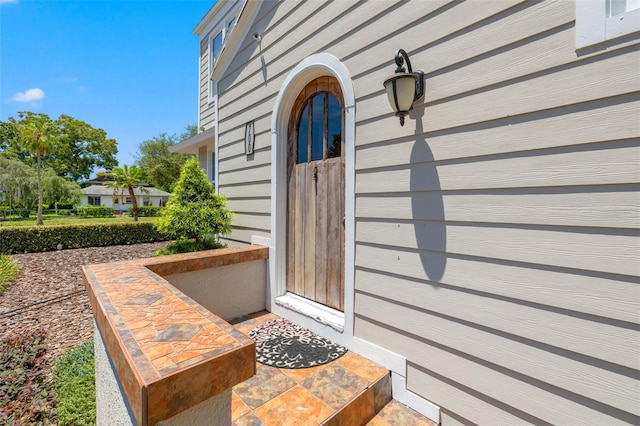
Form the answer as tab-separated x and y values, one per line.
50	294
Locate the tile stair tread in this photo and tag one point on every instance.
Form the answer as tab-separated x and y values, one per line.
395	413
356	410
307	394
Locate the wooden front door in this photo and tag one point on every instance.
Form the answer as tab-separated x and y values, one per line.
315	218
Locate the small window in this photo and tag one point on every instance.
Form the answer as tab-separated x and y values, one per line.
215	47
94	201
602	20
320	129
620	7
127	200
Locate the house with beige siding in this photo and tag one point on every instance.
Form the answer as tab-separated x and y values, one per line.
487	251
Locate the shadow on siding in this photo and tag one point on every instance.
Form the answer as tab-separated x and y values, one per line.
427	206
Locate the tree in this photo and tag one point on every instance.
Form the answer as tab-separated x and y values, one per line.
126	177
194	210
19	181
57	189
162	167
81	149
37	137
78	148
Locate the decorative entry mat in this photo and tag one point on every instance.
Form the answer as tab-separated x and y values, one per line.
283	344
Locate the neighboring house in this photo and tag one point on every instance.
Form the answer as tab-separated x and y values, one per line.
100	195
487	251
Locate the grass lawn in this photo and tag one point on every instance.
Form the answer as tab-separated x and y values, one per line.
71	220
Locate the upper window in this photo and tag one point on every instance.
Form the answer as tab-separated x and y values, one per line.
216	41
619	7
319	124
216	47
601	20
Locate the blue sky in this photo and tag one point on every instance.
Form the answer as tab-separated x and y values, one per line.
128	67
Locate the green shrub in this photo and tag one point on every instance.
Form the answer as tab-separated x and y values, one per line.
188	246
23	214
74	386
30	239
146	211
194	210
95	211
8	271
25	390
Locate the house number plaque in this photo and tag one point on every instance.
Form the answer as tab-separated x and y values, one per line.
249	138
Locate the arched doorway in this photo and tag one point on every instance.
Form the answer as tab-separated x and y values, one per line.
315	194
306	312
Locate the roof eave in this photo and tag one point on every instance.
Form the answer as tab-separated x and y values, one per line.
191	145
215	9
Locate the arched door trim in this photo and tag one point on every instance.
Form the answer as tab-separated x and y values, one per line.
316	318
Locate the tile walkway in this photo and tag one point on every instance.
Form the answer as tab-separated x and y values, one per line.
348	391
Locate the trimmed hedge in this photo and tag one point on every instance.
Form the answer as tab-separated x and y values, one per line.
146	211
95	211
31	239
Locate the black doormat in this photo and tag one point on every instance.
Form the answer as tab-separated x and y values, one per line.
283	344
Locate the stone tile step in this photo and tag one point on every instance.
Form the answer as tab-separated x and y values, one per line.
397	414
348	391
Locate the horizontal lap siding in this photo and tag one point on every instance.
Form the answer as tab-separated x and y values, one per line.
246	96
207	111
497	231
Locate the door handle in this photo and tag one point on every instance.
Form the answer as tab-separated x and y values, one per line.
315	173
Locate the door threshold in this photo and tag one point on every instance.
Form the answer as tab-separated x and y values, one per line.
321	313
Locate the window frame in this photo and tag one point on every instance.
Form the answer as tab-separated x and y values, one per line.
593	26
223	29
91	200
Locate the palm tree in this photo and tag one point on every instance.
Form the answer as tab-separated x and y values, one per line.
37	138
126	177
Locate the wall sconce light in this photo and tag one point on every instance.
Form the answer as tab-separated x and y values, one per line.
404	88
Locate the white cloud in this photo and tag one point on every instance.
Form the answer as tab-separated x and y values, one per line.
30	95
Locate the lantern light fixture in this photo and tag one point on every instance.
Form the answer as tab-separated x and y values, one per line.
404	87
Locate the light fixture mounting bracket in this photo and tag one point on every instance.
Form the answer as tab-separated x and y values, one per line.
401	58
